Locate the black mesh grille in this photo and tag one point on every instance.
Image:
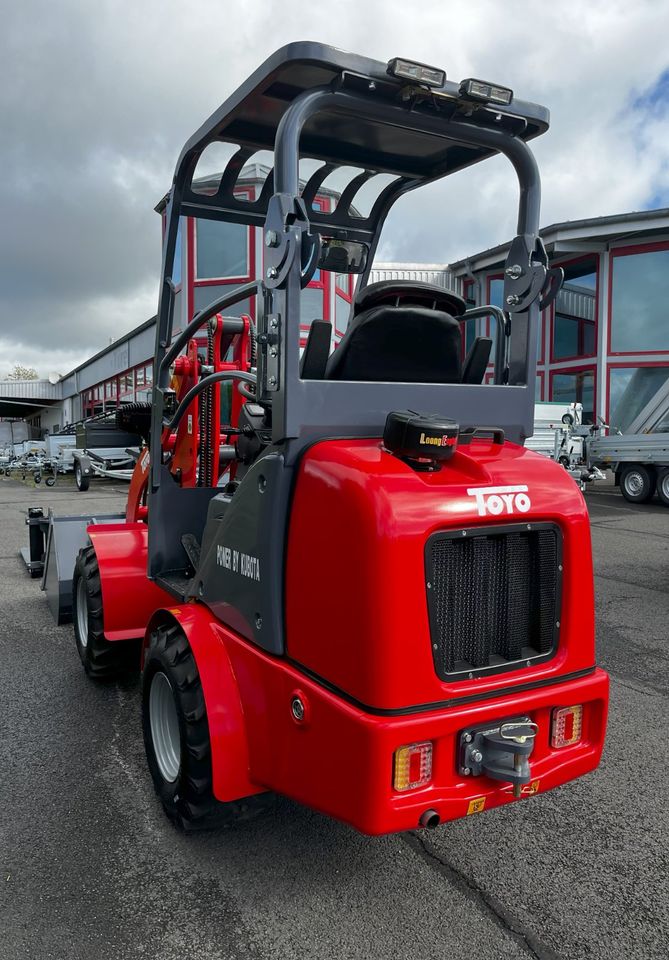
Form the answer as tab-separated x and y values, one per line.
494	597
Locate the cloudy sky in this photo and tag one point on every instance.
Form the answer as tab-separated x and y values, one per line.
98	96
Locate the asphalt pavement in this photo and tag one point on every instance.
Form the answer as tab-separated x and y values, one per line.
92	869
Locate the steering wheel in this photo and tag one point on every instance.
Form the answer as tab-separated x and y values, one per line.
410	292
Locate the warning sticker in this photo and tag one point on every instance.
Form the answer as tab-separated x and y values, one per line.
476	805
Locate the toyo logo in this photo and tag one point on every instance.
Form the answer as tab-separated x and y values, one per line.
494	501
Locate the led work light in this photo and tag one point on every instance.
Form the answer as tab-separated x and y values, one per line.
417	72
486	92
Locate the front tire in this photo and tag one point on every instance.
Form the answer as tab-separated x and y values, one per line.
176	737
637	483
82	481
663	486
101	658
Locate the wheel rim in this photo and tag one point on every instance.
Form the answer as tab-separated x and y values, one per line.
634	483
164	727
664	486
82	611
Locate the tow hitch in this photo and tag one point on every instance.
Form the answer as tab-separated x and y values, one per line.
501	751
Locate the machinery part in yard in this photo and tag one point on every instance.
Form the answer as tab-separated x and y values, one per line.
663	486
135	418
101	658
637	483
176	737
80	478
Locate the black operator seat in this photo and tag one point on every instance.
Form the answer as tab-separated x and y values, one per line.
401	331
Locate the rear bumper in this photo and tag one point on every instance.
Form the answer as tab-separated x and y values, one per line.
339	759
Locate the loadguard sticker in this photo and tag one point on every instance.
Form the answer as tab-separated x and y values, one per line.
531	788
476	806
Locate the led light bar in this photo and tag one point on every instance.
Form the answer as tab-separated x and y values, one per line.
567	726
486	92
413	766
416	72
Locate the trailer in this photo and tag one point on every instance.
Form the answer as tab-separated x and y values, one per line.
639	461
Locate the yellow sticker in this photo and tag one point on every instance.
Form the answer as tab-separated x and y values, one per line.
531	788
476	806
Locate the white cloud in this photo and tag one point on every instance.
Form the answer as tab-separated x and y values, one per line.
99	98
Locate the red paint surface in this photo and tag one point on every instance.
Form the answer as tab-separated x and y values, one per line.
360	518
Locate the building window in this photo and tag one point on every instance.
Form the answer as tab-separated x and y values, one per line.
575	319
577	386
630	389
222	250
343	300
639	298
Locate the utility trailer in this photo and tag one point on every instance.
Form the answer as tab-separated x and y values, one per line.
456	672
640	462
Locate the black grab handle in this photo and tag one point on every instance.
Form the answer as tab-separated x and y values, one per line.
495	433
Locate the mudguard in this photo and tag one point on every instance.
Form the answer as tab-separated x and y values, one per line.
129	598
227	726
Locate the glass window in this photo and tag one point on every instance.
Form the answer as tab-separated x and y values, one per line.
640	302
176	274
577	387
342	311
222	249
311	305
630	389
574	328
565	337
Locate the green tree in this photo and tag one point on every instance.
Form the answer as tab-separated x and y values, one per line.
20	372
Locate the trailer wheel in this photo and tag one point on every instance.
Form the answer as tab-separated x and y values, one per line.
82	481
176	738
663	486
637	483
102	658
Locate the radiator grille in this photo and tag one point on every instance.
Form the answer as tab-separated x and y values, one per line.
493	597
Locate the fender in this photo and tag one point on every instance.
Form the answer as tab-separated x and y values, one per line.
225	716
129	598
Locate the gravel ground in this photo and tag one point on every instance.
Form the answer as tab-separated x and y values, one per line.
92	869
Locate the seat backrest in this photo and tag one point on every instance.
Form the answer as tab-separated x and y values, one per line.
316	351
476	361
401	344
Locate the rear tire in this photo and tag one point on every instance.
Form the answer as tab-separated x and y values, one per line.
663	486
102	658
82	481
176	738
637	483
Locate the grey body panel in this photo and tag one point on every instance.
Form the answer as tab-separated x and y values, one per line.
178	511
65	538
241	572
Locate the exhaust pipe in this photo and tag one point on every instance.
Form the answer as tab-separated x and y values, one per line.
429	819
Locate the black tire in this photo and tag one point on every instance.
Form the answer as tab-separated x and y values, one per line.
135	418
82	481
102	659
185	789
663	486
637	483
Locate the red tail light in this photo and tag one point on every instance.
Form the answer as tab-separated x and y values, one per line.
567	726
413	766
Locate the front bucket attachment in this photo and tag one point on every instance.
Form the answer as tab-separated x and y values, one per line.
65	538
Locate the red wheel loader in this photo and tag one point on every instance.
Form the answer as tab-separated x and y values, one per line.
353	585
